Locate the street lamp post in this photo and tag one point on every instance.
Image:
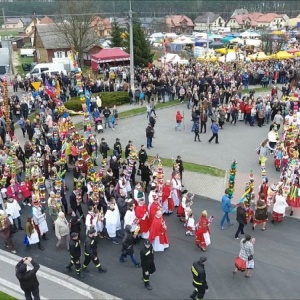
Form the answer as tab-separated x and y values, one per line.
131	49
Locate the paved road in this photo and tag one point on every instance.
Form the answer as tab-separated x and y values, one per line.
276	251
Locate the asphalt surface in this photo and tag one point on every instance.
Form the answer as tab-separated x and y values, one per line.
276	274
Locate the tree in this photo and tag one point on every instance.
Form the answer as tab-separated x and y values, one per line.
116	35
76	24
141	47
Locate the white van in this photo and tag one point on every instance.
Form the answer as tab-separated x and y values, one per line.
47	68
27	52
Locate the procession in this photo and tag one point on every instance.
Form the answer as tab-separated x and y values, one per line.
168	177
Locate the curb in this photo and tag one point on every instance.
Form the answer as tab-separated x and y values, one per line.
85	289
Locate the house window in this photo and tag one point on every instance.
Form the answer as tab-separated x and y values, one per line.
59	54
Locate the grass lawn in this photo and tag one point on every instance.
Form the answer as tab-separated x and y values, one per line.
192	167
259	90
143	109
23	60
4	296
137	111
11	32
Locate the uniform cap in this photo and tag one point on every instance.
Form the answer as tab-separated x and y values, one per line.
202	259
74	234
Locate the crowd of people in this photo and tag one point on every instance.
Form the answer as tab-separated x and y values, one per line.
108	202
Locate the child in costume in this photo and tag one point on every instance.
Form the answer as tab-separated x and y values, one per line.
293	198
190	224
278	157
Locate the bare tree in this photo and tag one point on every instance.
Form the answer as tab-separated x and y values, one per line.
76	24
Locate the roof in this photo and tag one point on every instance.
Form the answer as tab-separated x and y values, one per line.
267	18
110	54
203	18
240	11
177	20
99	21
26	20
51	37
46	20
12	21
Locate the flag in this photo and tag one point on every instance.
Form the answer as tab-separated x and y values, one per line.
49	89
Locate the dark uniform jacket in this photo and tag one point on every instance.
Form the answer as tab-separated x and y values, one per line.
75	250
90	247
199	275
147	260
28	280
127	242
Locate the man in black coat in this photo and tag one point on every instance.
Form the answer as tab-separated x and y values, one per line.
75	203
241	218
127	149
199	279
103	148
147	263
75	253
143	156
127	246
118	147
122	205
28	281
179	162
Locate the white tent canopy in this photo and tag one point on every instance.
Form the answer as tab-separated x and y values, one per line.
171	35
157	35
233	56
250	34
171	58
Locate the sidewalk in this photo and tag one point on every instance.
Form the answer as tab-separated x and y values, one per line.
53	285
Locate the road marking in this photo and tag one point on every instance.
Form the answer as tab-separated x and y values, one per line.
54	279
15	288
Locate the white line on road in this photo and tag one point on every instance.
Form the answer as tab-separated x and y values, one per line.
15	288
58	281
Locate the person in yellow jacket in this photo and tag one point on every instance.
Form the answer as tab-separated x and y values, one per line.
99	104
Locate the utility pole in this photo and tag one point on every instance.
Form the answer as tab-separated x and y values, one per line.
131	49
207	32
11	67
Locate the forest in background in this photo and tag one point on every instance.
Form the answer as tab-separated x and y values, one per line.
154	8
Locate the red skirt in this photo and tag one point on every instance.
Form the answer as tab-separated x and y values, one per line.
170	204
200	241
260	221
294	202
277	217
240	264
180	211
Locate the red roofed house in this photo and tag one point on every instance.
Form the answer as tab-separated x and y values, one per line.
179	24
272	20
101	26
243	21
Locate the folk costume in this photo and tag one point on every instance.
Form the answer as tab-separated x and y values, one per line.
158	233
142	214
202	233
176	189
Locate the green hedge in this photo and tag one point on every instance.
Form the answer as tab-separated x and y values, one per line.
109	99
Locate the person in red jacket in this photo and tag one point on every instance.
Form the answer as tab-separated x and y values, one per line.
248	108
26	193
179	119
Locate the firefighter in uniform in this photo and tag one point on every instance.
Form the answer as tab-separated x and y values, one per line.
90	252
147	263
199	279
75	253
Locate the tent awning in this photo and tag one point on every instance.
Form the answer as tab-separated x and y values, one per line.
110	55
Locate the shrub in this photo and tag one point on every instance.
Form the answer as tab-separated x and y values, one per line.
109	99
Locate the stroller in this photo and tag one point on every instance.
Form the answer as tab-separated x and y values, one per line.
98	125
